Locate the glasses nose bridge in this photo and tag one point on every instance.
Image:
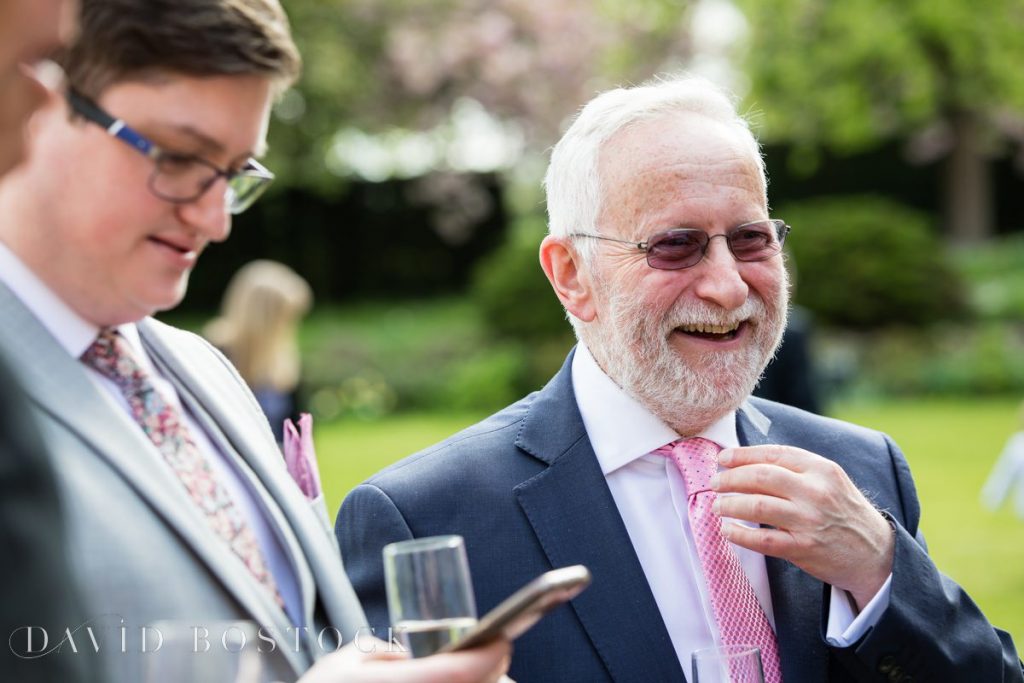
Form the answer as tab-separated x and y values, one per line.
707	245
215	176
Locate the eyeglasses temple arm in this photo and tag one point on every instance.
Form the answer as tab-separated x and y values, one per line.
115	127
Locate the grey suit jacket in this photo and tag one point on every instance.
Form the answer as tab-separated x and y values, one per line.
36	583
141	550
526	491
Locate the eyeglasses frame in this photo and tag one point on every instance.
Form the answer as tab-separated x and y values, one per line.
117	128
781	231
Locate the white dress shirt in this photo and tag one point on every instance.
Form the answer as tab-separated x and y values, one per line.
76	334
651	497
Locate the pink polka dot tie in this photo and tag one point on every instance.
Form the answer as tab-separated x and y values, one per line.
111	356
741	621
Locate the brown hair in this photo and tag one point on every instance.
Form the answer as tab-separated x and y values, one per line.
126	39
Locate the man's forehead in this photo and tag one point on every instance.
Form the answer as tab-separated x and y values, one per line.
676	138
190	111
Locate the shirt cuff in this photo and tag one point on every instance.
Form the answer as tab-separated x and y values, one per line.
844	626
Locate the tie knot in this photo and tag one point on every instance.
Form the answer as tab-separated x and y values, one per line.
695	459
111	356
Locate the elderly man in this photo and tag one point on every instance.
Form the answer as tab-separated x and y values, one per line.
663	253
179	506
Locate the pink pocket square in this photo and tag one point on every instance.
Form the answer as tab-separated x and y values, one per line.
300	456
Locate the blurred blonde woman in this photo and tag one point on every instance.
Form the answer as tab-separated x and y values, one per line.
258	328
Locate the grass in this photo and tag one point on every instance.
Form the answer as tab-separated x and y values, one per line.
951	445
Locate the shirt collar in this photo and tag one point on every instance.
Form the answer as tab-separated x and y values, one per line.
72	331
620	428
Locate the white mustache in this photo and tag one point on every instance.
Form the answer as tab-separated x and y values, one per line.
702	313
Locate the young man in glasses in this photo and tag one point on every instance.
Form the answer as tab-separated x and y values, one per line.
181	515
669	266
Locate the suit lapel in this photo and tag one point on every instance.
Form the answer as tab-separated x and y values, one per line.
797	597
61	387
310	548
576	521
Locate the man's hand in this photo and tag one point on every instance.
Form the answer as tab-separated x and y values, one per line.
485	664
822	522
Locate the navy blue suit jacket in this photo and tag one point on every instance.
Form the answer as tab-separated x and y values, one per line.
525	490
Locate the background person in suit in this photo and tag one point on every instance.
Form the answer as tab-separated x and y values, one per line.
179	506
675	325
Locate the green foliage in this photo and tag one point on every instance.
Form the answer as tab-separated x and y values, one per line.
489	378
847	74
375	358
509	287
946	360
371	359
519	308
377	66
865	262
994	271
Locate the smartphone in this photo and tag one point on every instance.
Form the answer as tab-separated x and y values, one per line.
524	608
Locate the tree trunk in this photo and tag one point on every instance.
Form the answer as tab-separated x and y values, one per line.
968	206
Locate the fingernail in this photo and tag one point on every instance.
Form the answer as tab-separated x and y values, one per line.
716	507
725	457
715	479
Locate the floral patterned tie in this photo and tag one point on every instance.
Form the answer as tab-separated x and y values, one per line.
111	356
741	620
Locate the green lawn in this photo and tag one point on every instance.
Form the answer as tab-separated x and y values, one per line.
950	445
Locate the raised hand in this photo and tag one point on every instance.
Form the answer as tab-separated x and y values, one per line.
820	521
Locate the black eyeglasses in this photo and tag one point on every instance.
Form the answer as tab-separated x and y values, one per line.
685	247
180	178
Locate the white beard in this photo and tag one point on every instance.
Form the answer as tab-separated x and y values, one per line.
632	347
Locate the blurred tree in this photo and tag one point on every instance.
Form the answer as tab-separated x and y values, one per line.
944	74
408	63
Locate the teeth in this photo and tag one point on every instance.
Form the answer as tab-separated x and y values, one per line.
709	329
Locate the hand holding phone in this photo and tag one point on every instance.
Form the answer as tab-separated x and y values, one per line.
524	608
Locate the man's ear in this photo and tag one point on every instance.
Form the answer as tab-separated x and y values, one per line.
561	264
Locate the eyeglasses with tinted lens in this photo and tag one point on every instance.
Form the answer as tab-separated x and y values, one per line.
685	247
180	178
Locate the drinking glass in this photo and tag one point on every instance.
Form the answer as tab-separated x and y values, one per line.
728	664
430	594
222	651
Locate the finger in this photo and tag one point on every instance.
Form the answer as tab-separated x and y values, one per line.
772	542
789	457
759	509
388	654
760	478
484	663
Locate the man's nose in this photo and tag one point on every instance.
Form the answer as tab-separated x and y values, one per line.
209	213
718	277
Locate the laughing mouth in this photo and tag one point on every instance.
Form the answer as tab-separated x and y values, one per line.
711	332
